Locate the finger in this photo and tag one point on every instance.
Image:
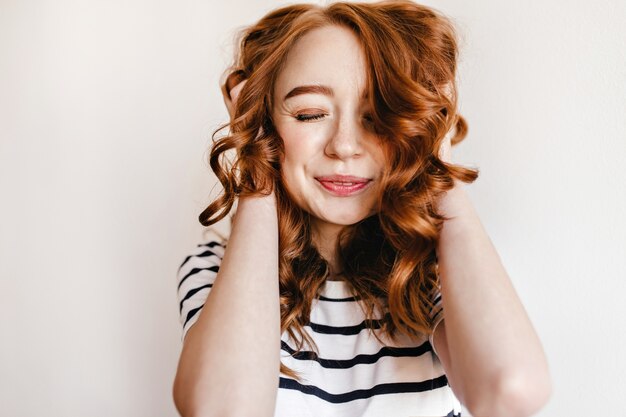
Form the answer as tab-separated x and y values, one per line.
230	100
229	105
445	150
234	92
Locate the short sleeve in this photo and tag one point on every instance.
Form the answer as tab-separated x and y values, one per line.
195	278
436	313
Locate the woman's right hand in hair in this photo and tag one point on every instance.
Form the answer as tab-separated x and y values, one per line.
231	100
234	84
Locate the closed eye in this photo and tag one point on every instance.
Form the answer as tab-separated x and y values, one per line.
308	117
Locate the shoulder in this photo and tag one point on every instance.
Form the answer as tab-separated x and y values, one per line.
195	278
205	249
209	252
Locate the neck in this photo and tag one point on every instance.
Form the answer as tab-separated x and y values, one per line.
325	236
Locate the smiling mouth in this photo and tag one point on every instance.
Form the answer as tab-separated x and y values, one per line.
343	188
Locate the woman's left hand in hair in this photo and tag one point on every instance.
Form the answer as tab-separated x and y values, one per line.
445	150
230	100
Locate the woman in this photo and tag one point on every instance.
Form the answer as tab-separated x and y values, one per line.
352	235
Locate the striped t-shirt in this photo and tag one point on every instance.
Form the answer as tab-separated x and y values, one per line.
353	375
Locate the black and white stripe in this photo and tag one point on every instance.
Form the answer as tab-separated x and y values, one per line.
353	374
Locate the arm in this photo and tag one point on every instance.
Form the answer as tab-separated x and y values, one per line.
229	363
487	345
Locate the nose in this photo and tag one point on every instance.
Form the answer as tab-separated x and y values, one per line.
345	139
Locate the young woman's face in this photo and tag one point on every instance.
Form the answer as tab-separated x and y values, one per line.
333	160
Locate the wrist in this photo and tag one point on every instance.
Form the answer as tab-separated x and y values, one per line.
260	202
453	201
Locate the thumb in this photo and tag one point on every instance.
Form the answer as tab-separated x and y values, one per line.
230	91
234	93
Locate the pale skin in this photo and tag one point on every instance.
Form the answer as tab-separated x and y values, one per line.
487	345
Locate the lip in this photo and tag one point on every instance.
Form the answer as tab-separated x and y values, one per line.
342	178
353	184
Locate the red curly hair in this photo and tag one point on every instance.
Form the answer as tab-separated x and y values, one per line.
389	258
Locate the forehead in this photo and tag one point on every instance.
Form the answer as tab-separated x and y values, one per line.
331	55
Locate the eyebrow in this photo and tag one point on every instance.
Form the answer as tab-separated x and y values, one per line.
312	89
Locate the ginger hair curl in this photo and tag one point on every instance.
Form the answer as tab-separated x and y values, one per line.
389	259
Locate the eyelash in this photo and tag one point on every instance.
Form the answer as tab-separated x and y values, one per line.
310	117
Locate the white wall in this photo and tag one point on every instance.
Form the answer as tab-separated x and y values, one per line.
106	111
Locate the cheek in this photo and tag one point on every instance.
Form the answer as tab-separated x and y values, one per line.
293	179
291	163
300	148
298	163
381	157
294	172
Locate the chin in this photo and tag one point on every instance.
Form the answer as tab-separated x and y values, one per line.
345	219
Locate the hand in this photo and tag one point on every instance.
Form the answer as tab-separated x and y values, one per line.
231	101
445	150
